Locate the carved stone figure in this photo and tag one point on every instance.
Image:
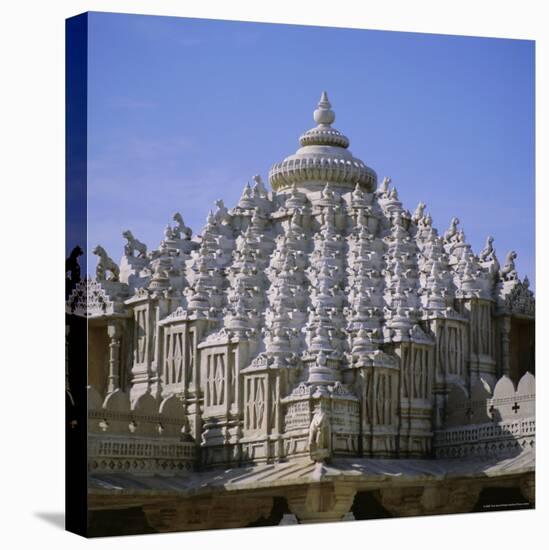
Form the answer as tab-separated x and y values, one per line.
107	269
133	245
508	271
319	437
488	254
221	214
451	234
181	231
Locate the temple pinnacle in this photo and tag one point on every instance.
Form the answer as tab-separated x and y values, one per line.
324	114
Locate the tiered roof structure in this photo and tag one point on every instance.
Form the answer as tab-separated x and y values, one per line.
317	320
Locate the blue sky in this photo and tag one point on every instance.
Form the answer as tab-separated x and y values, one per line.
184	111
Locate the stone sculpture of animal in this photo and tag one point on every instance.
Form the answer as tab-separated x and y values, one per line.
106	269
509	272
488	253
181	231
133	245
451	233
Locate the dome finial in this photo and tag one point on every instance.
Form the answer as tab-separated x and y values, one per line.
324	101
324	114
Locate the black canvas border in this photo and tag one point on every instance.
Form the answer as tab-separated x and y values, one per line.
76	96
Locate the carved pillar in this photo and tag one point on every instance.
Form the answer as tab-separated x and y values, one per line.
505	331
321	502
143	326
113	332
196	329
158	312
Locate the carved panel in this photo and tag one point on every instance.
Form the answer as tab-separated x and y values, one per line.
256	403
454	351
298	415
416	375
216	377
380	398
175	360
386	399
190	351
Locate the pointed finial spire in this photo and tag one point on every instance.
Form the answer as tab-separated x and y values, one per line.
324	114
324	101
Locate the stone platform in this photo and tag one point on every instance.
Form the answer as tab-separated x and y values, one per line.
237	497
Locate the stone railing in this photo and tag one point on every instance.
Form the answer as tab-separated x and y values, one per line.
139	454
486	439
145	436
482	423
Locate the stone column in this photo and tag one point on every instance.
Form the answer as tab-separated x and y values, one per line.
113	331
321	502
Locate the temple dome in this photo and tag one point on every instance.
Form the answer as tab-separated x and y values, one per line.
323	157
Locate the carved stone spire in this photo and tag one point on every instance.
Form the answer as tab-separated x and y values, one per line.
324	152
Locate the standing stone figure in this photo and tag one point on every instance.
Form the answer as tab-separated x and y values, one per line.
319	437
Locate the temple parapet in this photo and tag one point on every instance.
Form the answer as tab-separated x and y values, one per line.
486	423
